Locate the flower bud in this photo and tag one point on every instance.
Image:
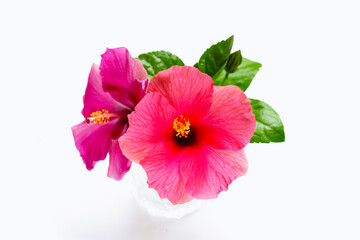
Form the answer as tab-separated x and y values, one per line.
234	61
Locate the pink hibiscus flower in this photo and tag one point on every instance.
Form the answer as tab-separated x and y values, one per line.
112	92
189	135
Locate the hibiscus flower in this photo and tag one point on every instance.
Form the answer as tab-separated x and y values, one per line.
112	92
189	135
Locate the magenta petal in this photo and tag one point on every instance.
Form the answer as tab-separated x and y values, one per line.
139	70
209	171
95	99
123	76
93	141
162	167
137	91
119	164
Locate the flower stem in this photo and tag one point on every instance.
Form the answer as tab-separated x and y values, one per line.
226	76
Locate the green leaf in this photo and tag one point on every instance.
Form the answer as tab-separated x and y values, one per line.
215	57
242	77
269	127
157	61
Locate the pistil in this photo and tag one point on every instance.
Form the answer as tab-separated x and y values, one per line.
181	126
99	117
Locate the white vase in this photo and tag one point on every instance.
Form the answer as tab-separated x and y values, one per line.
151	201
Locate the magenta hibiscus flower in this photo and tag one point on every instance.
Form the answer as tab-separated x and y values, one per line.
189	135
112	92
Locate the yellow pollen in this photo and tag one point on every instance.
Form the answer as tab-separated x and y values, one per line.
99	117
182	127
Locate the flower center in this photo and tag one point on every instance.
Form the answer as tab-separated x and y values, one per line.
101	116
181	126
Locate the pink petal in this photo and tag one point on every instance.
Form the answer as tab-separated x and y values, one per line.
94	140
119	164
150	123
123	76
209	171
230	122
162	167
187	89
95	99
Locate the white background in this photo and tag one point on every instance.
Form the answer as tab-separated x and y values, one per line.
305	188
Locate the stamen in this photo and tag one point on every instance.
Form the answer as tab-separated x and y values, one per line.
102	116
182	127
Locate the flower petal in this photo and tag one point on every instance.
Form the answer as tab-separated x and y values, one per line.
150	123
139	70
95	99
162	167
187	89
118	164
123	76
230	122
94	140
209	171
